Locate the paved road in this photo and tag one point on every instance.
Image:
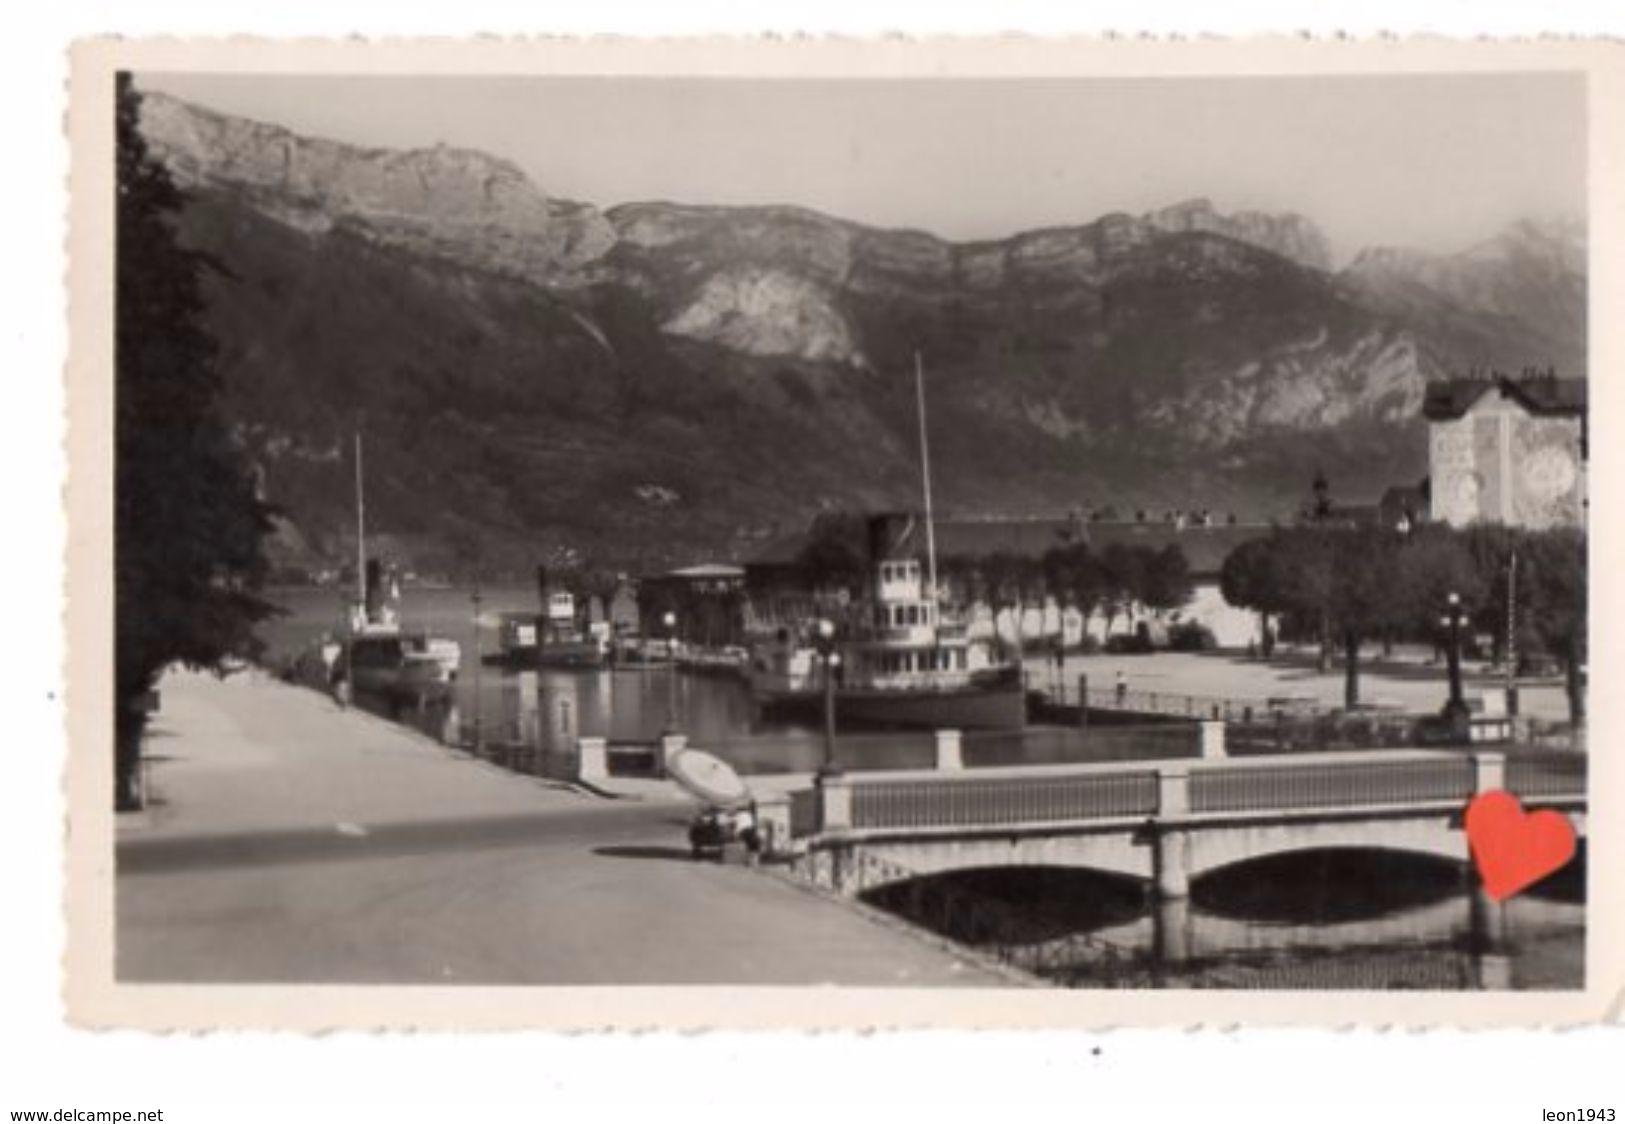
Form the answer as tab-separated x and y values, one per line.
293	842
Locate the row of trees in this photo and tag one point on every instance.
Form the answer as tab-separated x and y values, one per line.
188	524
1349	585
1118	581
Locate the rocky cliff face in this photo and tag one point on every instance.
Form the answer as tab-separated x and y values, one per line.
1532	273
533	369
466	206
1292	236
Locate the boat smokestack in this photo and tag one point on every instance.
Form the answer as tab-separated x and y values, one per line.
372	588
888	534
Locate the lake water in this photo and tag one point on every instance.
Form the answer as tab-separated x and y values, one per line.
636	704
1357	919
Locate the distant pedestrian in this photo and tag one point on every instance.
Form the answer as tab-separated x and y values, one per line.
1122	690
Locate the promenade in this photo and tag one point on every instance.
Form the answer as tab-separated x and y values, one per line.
291	841
1407	681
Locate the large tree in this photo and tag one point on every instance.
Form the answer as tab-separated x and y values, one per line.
1074	577
1552	595
1248	580
188	524
832	562
1166	579
1365	600
1305	566
1009	579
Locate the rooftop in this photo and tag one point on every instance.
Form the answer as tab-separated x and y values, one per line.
1545	394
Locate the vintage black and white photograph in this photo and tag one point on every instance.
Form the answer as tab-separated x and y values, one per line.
1054	533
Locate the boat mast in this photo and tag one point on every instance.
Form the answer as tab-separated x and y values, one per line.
360	530
925	473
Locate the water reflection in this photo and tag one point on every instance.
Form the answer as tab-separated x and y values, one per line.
1333	919
547	708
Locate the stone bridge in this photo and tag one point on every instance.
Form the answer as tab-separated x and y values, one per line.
1163	822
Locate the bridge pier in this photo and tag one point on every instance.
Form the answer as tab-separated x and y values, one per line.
1489	771
834	802
1171	862
842	869
1171	930
1486	919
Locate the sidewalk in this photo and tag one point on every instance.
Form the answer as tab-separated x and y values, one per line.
290	841
1408	683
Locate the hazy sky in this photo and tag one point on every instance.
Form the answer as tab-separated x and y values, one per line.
1436	162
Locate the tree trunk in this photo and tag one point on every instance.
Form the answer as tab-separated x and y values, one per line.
1351	670
1576	689
128	727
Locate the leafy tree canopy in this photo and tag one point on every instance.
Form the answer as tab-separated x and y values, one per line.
188	523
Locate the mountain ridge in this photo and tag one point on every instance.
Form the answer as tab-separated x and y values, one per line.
541	376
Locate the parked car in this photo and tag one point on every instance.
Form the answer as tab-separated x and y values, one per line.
712	830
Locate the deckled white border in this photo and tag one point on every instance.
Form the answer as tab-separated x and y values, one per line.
95	999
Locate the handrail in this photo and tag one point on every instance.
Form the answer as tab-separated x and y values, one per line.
1180	705
1004	800
1556	774
1338	785
1035	795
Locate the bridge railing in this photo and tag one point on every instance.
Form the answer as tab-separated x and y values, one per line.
1172	790
1331	785
1554	774
926	803
1197	707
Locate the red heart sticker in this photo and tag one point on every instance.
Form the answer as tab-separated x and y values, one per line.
1514	848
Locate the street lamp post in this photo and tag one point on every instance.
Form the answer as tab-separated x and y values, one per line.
1455	711
825	641
670	621
1511	656
479	661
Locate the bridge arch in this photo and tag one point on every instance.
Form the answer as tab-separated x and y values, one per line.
1031	902
878	862
1213	849
1330	886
